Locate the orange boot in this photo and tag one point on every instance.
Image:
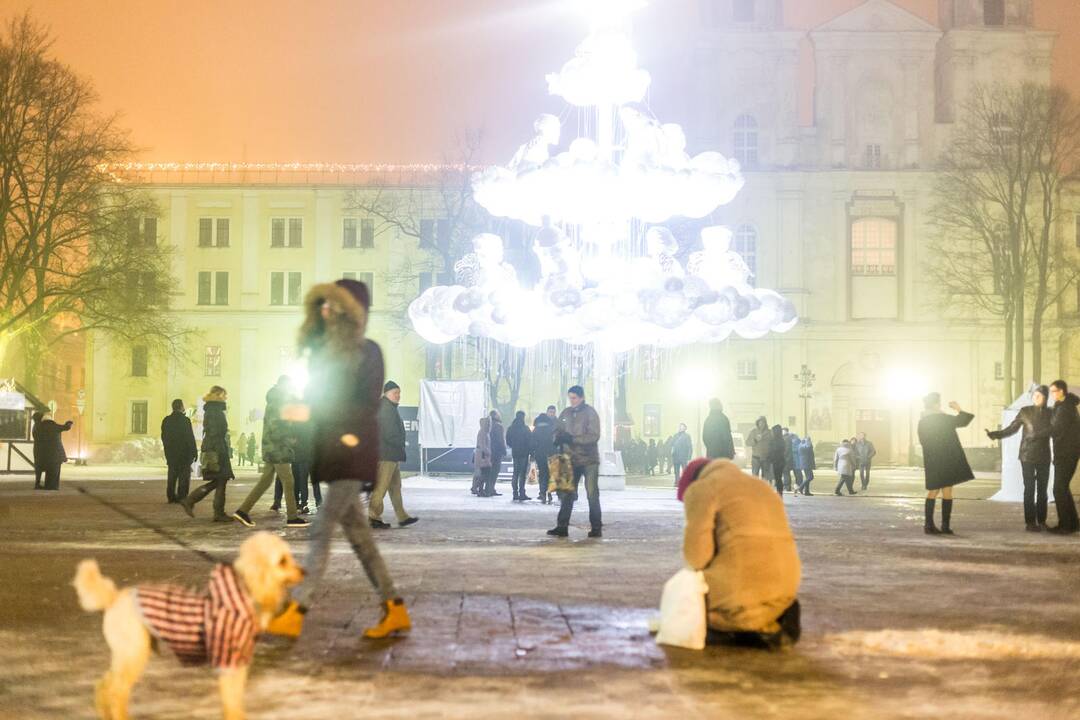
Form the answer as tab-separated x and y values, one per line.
395	620
290	622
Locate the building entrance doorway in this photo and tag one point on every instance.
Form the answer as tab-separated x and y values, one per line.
877	424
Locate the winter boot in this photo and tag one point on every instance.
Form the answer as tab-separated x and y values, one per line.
395	620
946	516
929	528
289	622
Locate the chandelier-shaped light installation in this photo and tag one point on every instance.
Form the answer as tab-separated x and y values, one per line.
610	271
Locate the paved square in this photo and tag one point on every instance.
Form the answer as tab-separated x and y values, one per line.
511	623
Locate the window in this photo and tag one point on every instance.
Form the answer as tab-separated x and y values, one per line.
743	11
427	233
142	288
745	245
140	412
213	361
367	233
364	277
213	232
286	232
746	369
139	361
872	157
285	288
149	231
999	370
994	12
1001	131
873	247
348	232
746	141
213	288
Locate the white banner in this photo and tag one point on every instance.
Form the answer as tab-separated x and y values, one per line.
450	412
12	401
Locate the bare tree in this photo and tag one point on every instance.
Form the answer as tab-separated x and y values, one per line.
996	204
78	249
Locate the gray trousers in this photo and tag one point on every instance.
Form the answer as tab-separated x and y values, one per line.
342	506
284	472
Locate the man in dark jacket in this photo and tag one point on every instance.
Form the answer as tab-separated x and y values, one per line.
519	439
391	454
498	453
1034	455
180	451
943	458
864	456
579	430
1065	432
716	433
682	449
543	444
50	454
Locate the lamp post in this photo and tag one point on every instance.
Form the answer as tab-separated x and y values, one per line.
805	378
80	405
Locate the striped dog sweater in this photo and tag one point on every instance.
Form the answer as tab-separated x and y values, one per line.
216	626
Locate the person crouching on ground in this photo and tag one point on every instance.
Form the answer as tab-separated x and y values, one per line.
737	534
341	402
1034	455
943	458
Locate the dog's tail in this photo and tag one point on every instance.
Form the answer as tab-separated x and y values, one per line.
96	592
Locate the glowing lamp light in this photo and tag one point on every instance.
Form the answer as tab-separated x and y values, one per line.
696	383
297	372
602	12
905	385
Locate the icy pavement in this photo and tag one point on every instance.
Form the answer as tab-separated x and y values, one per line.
509	622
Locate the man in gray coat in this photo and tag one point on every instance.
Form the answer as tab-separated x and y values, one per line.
578	431
391	454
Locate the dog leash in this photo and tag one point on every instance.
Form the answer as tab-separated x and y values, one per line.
160	531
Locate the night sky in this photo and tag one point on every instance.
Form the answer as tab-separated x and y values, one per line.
371	80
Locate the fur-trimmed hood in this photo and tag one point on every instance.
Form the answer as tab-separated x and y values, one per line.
344	330
213	396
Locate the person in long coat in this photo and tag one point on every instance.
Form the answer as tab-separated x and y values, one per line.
776	457
215	445
51	456
482	457
807	464
1034	420
543	445
39	467
943	458
178	439
519	438
498	453
716	433
1065	432
758	442
738	535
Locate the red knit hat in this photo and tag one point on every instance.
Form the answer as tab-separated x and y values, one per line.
690	474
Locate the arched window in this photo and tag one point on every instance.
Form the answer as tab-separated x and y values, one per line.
746	141
873	246
745	244
994	12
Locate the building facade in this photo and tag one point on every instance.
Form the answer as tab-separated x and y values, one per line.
834	215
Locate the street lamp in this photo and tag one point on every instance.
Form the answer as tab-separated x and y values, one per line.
805	378
906	386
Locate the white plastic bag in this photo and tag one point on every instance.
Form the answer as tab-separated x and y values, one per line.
682	610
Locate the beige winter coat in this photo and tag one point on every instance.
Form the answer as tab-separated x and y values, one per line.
737	533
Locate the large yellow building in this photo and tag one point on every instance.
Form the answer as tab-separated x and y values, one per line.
834	216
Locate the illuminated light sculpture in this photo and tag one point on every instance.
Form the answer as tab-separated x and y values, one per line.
609	272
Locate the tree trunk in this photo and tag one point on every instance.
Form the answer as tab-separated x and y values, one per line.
1019	381
1036	343
1006	382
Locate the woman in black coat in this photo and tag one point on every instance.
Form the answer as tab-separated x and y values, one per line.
49	454
943	458
777	454
1034	420
216	455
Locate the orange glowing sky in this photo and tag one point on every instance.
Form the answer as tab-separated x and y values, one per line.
371	80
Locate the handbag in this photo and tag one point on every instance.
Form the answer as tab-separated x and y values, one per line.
209	461
561	470
682	611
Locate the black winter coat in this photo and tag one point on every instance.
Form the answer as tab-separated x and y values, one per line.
391	432
178	439
498	443
543	437
716	435
216	439
519	438
343	393
1065	428
943	455
1035	442
48	448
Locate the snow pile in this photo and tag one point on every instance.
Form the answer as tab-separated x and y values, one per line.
939	645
